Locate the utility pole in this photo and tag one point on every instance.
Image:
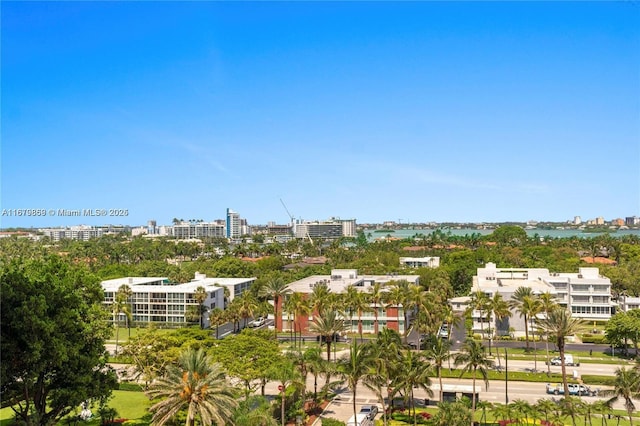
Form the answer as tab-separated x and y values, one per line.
506	378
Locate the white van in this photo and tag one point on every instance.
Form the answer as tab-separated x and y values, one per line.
568	361
359	419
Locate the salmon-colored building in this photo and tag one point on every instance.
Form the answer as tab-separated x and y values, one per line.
340	279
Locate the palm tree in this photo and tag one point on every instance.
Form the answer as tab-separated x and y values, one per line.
300	308
254	411
396	297
376	294
286	374
275	289
351	302
498	309
200	295
247	306
415	374
475	361
545	407
626	387
452	413
438	351
197	385
559	323
320	298
355	366
216	318
389	347
125	293
547	304
479	302
315	365
602	407
521	301
327	324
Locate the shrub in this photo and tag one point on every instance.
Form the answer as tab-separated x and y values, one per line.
332	422
591	338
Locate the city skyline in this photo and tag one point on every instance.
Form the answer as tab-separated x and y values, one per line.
424	111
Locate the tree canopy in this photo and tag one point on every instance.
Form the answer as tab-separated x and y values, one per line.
53	335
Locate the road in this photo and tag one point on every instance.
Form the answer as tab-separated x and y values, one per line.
341	408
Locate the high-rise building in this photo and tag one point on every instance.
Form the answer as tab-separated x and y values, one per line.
234	224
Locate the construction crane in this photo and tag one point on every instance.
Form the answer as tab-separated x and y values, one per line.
293	222
288	212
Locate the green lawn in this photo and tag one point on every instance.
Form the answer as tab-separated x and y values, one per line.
130	405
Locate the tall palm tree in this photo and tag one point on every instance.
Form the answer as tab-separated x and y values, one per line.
521	301
301	308
286	374
438	351
197	385
415	374
125	293
376	296
479	302
396	297
320	298
498	309
351	302
560	324
200	295
217	318
355	366
327	324
626	387
475	360
275	289
547	304
247	306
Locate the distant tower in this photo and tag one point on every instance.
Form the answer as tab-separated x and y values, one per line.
577	220
233	224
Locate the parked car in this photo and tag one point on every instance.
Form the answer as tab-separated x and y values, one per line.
568	360
574	389
370	410
444	331
359	419
258	322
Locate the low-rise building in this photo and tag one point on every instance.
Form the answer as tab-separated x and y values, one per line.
378	316
586	294
156	300
420	262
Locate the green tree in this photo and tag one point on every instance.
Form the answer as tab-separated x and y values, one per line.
286	374
626	387
547	304
560	324
196	384
509	235
475	360
523	302
438	351
53	331
216	319
452	413
151	352
275	289
415	374
123	297
498	309
355	366
375	296
248	357
200	295
327	324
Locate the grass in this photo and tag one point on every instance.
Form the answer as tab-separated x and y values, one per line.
130	405
490	420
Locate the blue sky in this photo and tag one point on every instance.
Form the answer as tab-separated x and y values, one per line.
418	111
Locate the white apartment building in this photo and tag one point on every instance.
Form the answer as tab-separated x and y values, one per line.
586	294
80	232
190	230
420	262
332	228
155	299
